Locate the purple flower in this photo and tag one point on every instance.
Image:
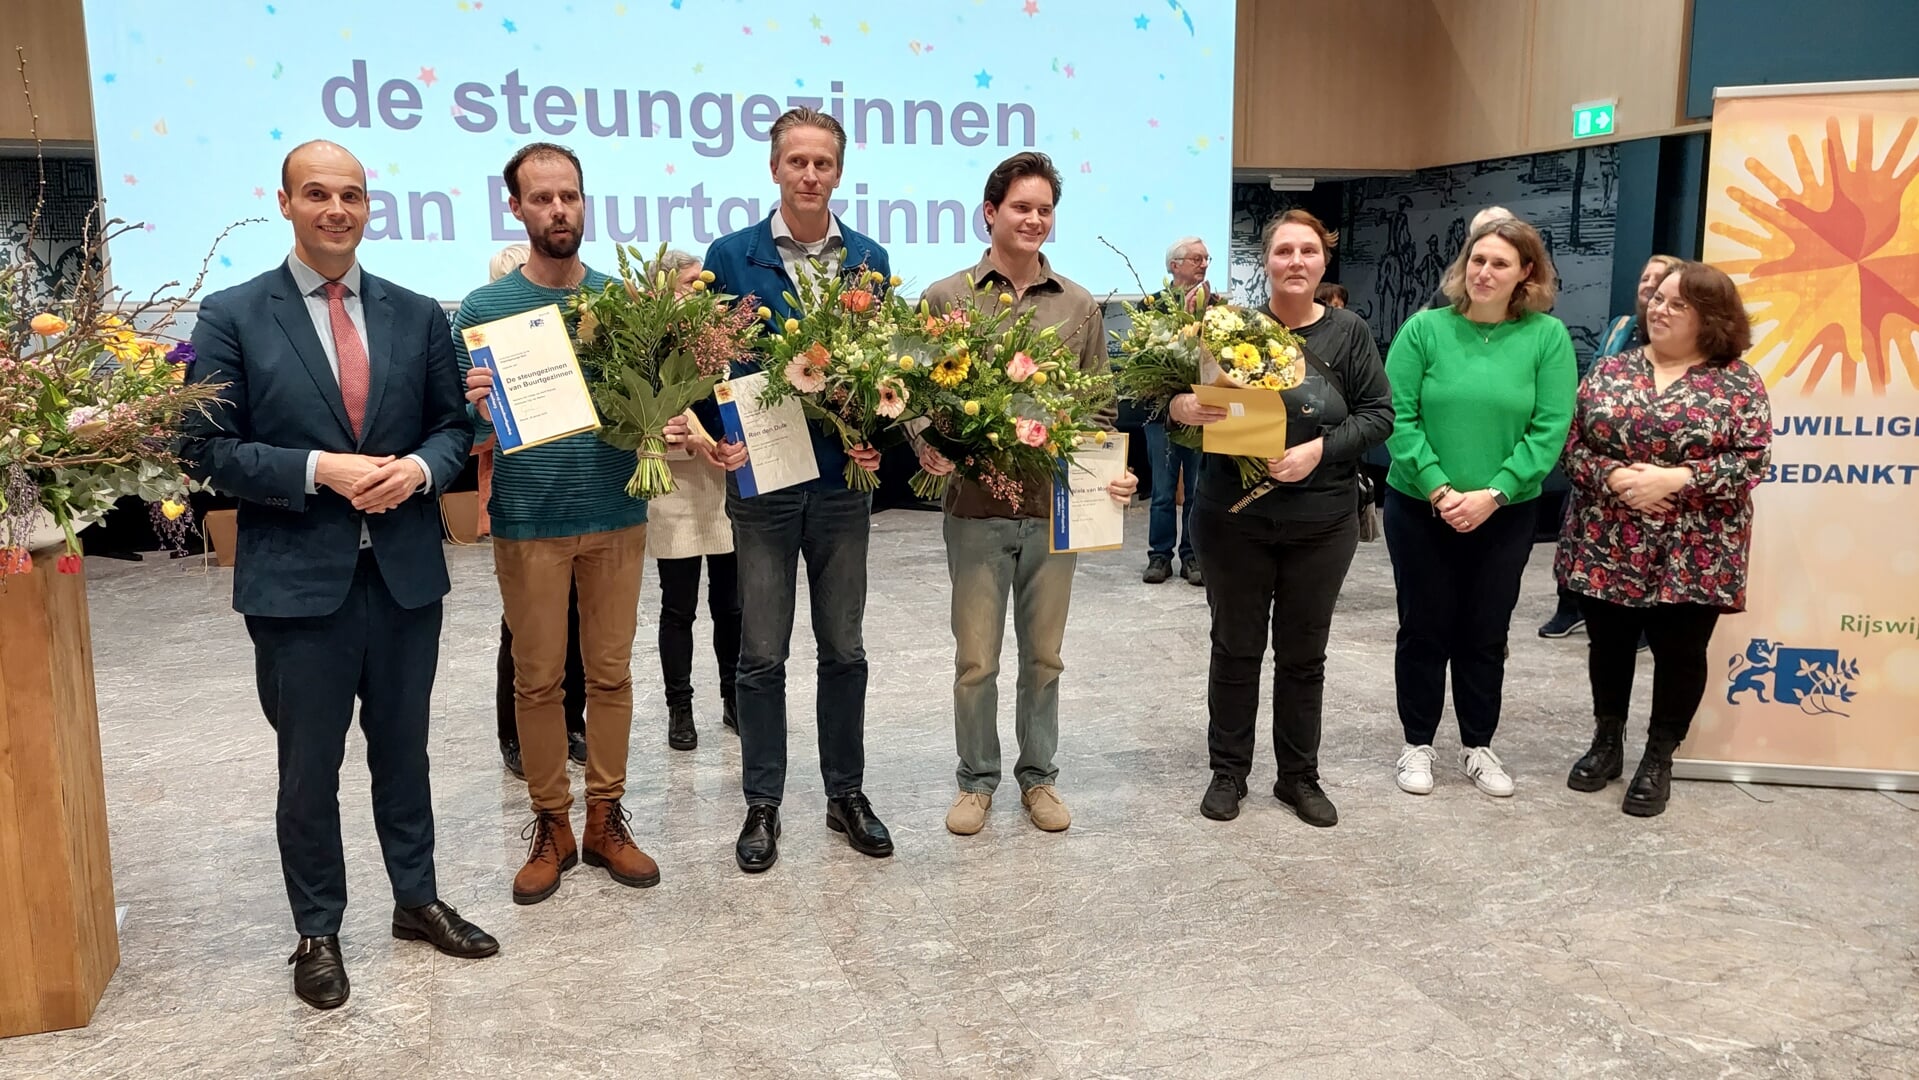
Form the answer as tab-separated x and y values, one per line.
181	354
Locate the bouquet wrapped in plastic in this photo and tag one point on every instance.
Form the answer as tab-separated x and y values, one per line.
1003	399
836	359
656	347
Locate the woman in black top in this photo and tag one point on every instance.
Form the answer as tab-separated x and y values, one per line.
1277	552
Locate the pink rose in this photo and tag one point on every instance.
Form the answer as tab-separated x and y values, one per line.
1021	368
1030	432
804	377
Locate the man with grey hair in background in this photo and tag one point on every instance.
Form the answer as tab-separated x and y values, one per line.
1169	525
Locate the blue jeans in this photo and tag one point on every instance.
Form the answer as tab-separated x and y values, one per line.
1170	462
771	533
987	559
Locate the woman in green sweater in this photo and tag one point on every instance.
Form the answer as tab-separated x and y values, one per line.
1482	398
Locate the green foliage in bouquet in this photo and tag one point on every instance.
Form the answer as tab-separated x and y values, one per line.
655	347
837	359
1159	359
93	393
1004	399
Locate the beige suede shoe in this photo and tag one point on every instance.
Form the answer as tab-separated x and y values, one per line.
1045	808
968	814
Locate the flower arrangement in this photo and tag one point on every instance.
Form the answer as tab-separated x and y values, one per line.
90	408
836	359
1252	350
1004	400
654	350
1159	359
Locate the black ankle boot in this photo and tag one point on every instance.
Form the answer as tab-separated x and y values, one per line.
680	732
1605	761
1652	784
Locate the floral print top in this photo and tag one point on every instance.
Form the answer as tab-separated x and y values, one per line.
1715	419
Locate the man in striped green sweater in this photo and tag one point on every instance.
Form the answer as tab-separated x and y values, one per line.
562	519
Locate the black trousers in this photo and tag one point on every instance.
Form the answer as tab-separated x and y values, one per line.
1679	635
309	673
1456	597
679	597
573	684
1286	575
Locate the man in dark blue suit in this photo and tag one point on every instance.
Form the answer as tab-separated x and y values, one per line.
340	416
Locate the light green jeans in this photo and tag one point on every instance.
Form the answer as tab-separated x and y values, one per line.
988	560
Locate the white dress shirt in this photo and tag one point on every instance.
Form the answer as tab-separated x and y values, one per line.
798	257
312	285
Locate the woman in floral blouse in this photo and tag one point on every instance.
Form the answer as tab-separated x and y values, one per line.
1667	443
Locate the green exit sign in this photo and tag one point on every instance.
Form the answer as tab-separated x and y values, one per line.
1593	119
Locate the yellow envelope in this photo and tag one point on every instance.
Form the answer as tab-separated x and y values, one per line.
1255	424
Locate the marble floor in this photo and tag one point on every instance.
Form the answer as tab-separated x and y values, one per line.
1453	935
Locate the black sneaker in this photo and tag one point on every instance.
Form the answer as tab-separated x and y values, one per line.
576	746
1221	802
1565	622
510	756
1158	569
1189	569
1307	799
1643	643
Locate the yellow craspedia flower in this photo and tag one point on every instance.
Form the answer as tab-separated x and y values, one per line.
707	276
906	363
1039	378
792	326
875	276
1005	298
172	510
894	281
764	313
971	408
47	324
699	286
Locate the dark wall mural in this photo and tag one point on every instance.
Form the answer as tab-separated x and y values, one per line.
1402	232
55	252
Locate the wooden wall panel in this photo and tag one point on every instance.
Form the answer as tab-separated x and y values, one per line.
53	32
1484	56
1333	85
1633	50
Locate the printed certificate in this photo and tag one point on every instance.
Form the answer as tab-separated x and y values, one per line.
1085	517
539	393
779	446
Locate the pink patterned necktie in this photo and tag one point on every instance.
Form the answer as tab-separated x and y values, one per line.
351	353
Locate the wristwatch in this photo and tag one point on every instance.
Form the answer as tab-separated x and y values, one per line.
1499	496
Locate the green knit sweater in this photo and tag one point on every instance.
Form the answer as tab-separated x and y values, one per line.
1478	413
569	487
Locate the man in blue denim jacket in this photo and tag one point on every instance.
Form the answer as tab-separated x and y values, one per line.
822	519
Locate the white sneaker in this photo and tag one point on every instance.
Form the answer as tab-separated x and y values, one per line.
1484	767
1414	773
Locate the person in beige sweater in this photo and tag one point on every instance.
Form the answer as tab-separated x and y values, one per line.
682	529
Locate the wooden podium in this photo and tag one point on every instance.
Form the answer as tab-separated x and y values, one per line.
58	940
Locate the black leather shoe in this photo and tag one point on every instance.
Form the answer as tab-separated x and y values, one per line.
510	757
759	845
440	926
854	816
1158	569
680	734
1189	569
1652	784
576	746
1221	801
1307	799
730	715
319	972
1605	760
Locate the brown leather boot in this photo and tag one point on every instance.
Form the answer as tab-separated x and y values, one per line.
551	851
608	843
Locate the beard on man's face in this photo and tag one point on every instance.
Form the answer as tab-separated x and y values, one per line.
560	247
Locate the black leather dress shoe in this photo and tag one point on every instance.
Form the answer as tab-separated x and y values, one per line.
510	757
854	816
440	926
1307	799
730	716
319	972
759	844
576	746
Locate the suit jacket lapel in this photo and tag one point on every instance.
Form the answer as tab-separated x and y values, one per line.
378	309
290	311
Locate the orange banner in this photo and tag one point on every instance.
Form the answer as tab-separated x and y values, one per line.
1813	208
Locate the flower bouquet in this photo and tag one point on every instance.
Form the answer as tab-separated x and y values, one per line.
1159	359
90	409
655	350
1252	350
1004	400
835	358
